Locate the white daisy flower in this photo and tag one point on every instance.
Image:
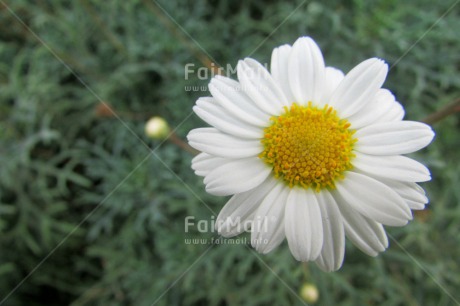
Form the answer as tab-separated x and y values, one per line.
309	154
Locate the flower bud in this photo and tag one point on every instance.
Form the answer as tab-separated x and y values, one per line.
157	128
309	293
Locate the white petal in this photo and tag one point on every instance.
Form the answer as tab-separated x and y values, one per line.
204	163
369	236
258	84
237	215
236	176
359	87
214	142
397	167
332	254
304	229
230	96
306	71
393	138
268	227
279	69
412	193
417	188
383	108
415	205
212	113
373	199
333	78
393	109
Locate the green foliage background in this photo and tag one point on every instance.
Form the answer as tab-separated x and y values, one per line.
90	216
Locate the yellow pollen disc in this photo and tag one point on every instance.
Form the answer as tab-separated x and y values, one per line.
308	146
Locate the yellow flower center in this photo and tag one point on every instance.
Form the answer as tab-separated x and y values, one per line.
308	146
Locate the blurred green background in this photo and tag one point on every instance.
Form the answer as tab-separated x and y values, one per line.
90	216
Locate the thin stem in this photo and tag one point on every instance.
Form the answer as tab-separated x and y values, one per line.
182	144
173	29
113	39
449	109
